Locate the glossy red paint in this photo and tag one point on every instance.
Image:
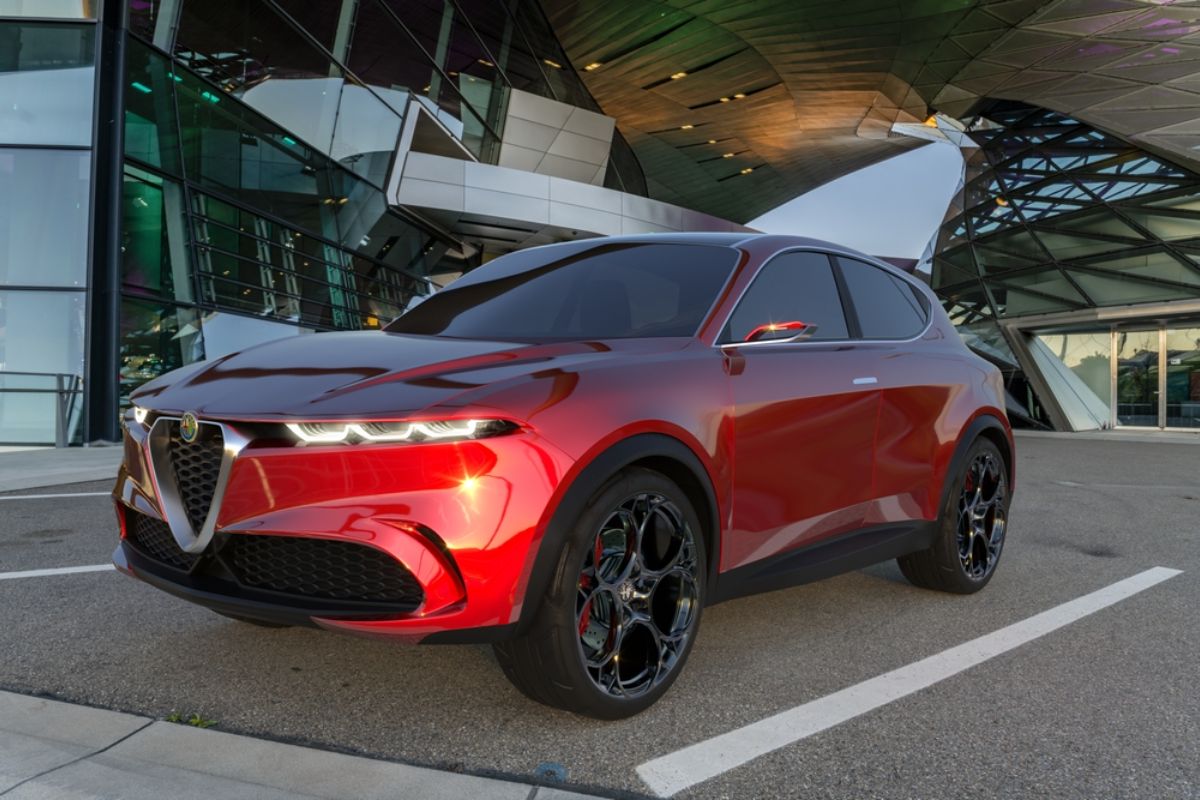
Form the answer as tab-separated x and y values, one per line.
795	449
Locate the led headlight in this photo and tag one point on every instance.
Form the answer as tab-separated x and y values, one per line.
426	430
140	414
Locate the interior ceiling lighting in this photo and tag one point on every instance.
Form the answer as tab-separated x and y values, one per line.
686	127
739	95
726	155
724	99
931	121
712	141
677	75
595	65
747	170
551	63
1000	201
485	62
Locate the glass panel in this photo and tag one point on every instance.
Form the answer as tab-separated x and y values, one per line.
247	49
43	331
794	287
366	134
155	338
44	217
143	15
47	82
1121	290
1137	378
151	130
886	307
228	147
1088	356
1183	378
579	292
154	255
56	9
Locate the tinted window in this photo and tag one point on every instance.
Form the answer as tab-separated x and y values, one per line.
887	306
611	290
793	287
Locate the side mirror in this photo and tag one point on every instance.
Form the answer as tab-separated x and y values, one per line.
792	331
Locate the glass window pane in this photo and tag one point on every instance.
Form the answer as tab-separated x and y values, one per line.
597	291
1088	356
155	338
154	255
886	306
249	50
47	82
366	134
793	287
1183	378
1137	378
151	132
143	15
49	9
44	217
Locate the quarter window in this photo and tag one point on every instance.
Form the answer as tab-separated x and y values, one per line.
887	306
792	287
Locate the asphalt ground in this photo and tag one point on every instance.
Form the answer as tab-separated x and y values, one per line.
1108	706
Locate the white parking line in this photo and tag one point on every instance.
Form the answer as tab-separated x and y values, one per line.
41	496
42	573
674	772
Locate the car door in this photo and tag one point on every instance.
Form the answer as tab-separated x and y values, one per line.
804	413
915	387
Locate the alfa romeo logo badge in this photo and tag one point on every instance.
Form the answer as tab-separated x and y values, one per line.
188	427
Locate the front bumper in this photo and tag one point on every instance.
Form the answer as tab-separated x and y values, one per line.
463	518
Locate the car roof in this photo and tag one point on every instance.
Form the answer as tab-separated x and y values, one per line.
731	239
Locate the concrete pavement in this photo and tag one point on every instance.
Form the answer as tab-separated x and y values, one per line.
58	750
36	468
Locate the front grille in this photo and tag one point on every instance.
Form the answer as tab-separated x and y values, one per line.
196	466
321	568
152	537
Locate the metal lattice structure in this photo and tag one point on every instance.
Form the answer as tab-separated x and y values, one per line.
1058	216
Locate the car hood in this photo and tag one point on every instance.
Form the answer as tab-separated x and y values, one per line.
363	374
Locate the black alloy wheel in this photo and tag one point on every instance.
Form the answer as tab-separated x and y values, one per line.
637	595
624	609
971	529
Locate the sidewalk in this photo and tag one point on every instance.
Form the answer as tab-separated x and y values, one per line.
50	749
34	469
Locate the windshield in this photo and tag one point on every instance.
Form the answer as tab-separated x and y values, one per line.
583	290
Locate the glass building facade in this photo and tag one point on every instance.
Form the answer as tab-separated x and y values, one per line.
246	148
1075	264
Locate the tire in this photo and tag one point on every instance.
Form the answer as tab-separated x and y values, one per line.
971	528
615	591
247	620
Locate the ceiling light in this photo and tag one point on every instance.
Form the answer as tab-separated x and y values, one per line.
724	99
1000	201
726	155
739	95
747	170
712	141
686	127
931	121
677	75
551	63
485	62
595	65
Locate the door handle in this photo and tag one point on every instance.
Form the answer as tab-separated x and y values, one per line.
866	381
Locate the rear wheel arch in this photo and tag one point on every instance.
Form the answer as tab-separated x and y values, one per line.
987	426
661	453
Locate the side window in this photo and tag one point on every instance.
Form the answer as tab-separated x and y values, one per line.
887	306
792	287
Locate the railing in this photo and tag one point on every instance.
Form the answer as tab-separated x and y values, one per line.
66	389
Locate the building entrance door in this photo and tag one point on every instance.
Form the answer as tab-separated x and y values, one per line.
1136	373
1182	356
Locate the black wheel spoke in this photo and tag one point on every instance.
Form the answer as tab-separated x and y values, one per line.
981	516
637	596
